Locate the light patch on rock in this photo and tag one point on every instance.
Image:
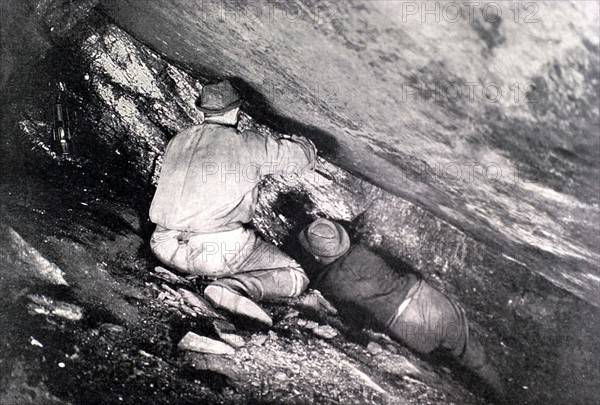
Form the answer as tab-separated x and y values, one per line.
325	331
35	342
42	305
374	348
203	344
42	267
122	66
215	363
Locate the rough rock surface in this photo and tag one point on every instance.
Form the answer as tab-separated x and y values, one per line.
202	344
87	216
486	115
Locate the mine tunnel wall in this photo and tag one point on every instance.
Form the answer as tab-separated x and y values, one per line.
127	102
538	169
543	210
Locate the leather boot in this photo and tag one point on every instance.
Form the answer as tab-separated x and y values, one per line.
237	293
224	294
271	284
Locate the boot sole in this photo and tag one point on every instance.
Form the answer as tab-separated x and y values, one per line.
224	298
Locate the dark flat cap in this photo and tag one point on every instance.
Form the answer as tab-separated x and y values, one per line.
218	97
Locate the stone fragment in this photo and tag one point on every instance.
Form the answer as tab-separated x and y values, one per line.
188	310
378	336
33	260
391	349
226	331
325	331
111	328
35	342
171	291
209	312
190	298
214	363
259	340
292	314
199	304
203	344
233	340
171	303
311	325
169	276
280	375
42	305
374	348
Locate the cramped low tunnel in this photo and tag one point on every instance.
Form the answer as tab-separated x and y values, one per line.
458	140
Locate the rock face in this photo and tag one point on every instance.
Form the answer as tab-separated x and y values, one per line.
517	254
486	115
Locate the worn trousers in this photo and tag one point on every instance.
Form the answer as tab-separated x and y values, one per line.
238	259
432	321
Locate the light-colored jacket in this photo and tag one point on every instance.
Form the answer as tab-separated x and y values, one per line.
210	172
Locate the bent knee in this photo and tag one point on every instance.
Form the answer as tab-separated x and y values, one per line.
300	281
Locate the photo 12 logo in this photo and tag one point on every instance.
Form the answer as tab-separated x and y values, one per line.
454	12
289	12
326	92
487	92
472	172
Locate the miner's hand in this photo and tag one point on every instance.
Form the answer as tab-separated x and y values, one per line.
313	300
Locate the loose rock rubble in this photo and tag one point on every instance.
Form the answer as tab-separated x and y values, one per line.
202	344
226	332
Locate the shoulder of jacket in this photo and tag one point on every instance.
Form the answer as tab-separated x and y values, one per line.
362	255
190	130
251	133
359	250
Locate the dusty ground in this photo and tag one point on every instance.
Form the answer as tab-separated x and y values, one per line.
65	344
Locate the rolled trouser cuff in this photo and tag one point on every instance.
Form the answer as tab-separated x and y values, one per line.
268	284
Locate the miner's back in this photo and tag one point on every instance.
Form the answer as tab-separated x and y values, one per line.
360	283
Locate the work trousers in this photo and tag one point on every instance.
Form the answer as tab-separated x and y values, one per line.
238	259
432	321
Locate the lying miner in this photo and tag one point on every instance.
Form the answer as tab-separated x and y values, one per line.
364	288
206	194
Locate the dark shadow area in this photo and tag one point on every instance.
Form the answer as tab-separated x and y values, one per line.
259	108
212	379
297	207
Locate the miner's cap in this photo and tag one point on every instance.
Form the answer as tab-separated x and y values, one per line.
218	98
325	238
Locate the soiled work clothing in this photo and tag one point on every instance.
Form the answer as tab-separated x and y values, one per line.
217	254
431	321
362	284
365	289
210	172
207	190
